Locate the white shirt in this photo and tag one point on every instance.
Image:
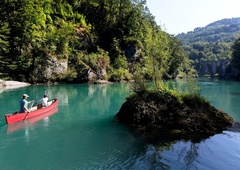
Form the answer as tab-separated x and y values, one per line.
45	101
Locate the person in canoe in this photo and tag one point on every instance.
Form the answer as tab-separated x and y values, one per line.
24	104
45	100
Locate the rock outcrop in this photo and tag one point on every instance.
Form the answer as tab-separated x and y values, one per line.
49	69
159	118
220	68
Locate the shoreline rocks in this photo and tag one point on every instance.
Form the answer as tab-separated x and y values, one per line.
12	84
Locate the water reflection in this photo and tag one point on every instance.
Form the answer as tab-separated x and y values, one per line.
179	155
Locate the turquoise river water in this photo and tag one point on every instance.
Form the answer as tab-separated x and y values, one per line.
83	134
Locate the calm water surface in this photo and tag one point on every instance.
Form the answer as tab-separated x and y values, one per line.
82	133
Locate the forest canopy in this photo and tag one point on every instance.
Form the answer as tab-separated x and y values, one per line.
113	39
212	44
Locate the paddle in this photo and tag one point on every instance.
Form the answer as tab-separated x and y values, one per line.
29	110
31	105
37	102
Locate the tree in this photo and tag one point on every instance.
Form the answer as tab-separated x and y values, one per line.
236	54
24	21
4	49
75	30
177	58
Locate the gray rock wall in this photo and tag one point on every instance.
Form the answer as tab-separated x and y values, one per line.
49	69
213	68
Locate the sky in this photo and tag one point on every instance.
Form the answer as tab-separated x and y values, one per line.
181	16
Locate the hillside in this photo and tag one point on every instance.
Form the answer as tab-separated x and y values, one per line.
210	47
225	30
81	41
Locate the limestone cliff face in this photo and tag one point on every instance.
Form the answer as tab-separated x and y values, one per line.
215	68
49	69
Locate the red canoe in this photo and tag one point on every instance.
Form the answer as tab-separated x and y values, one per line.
30	122
35	111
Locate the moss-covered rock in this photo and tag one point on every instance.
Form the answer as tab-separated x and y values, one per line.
162	116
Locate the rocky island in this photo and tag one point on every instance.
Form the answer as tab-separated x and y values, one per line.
159	116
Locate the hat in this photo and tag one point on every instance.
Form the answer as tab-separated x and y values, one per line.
25	95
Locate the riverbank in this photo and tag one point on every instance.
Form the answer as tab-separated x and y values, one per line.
18	84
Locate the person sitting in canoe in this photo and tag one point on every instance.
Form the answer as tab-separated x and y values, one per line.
45	100
24	103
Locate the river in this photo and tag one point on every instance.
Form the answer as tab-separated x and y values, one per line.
83	134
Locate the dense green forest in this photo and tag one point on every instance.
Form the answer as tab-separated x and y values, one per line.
236	55
111	39
211	45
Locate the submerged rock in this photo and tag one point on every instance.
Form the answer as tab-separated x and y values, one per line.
163	117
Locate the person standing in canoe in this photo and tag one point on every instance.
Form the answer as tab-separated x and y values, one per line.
24	104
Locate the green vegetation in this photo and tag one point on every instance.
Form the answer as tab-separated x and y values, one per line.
236	53
160	110
211	45
166	92
108	38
